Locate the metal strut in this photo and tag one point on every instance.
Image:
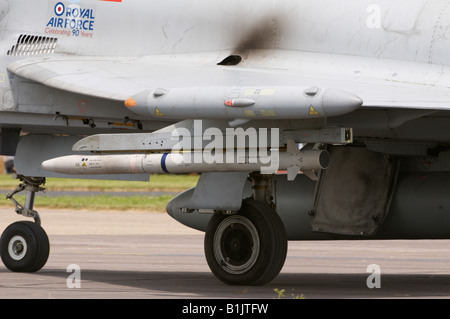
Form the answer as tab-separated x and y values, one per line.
262	188
31	185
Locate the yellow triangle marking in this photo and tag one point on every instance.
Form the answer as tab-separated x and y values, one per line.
158	112
84	164
312	111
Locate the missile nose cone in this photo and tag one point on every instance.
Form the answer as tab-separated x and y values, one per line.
58	165
338	102
48	164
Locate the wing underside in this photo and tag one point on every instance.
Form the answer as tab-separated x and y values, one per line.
116	78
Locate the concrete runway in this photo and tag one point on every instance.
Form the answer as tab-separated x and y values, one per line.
149	255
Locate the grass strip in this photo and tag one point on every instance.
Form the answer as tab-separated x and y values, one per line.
98	202
163	182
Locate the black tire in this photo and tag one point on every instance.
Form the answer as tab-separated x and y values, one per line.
248	248
24	247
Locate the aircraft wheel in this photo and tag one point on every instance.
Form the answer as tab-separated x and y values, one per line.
24	247
247	248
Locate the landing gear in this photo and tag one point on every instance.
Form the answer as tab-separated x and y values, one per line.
24	246
247	248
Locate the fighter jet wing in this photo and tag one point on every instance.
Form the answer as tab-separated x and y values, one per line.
118	78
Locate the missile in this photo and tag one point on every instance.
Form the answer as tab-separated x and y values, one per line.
177	163
243	103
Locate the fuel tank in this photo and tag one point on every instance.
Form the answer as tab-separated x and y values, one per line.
420	208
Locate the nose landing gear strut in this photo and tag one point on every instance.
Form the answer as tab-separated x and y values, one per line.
24	245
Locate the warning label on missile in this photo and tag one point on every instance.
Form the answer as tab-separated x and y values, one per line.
89	163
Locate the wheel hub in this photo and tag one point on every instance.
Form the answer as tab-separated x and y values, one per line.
17	247
236	244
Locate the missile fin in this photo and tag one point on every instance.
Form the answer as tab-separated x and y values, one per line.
292	172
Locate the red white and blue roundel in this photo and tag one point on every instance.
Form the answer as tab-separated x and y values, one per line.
59	9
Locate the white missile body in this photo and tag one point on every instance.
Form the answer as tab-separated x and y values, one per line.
177	163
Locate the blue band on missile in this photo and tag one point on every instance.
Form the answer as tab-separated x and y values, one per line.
163	163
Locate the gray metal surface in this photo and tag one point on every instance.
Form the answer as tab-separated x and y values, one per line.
417	209
221	191
277	102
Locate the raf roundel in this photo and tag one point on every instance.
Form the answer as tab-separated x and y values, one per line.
59	9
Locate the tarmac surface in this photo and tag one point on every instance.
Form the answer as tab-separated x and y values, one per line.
134	255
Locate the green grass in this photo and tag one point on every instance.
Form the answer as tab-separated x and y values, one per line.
98	202
172	183
156	183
